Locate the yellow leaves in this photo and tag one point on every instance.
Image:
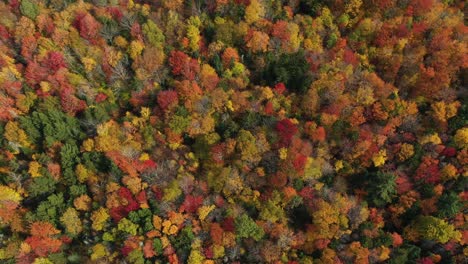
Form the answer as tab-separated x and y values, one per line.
88	63
443	111
461	138
365	96
8	194
113	57
449	172
193	33
82	173
16	135
204	211
157	223
34	167
99	218
172	191
144	157
9	72
88	144
339	165
406	152
82	202
42	261
24	102
254	12
120	42
352	7
283	153
107	138
145	112
135	49
431	138
168	228
196	257
132	183
380	158
99	251
71	221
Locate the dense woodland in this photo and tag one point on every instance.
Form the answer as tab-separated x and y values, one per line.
233	131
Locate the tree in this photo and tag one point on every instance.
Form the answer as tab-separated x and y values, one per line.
381	188
291	69
71	220
29	9
246	227
449	205
433	228
254	12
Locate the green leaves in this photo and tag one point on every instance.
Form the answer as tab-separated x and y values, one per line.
290	69
246	227
29	8
51	126
382	188
433	228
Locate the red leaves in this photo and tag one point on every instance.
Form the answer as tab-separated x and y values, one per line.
167	99
88	26
70	103
299	163
286	130
449	152
280	30
100	97
182	64
228	224
191	204
115	12
216	233
217	153
428	170
280	88
279	179
421	6
55	61
119	212
403	184
350	57
319	134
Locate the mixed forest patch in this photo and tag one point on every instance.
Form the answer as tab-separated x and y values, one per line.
233	131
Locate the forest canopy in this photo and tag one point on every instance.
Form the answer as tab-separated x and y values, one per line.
233	131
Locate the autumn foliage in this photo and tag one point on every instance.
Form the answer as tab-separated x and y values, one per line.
233	131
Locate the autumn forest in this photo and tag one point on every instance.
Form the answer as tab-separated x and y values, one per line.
233	131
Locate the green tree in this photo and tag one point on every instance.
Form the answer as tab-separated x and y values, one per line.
246	227
29	9
433	228
448	204
291	69
381	188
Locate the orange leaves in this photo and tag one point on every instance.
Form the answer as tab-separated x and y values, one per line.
229	56
257	41
42	241
168	226
43	229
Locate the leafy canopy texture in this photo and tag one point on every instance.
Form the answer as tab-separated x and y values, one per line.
233	131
